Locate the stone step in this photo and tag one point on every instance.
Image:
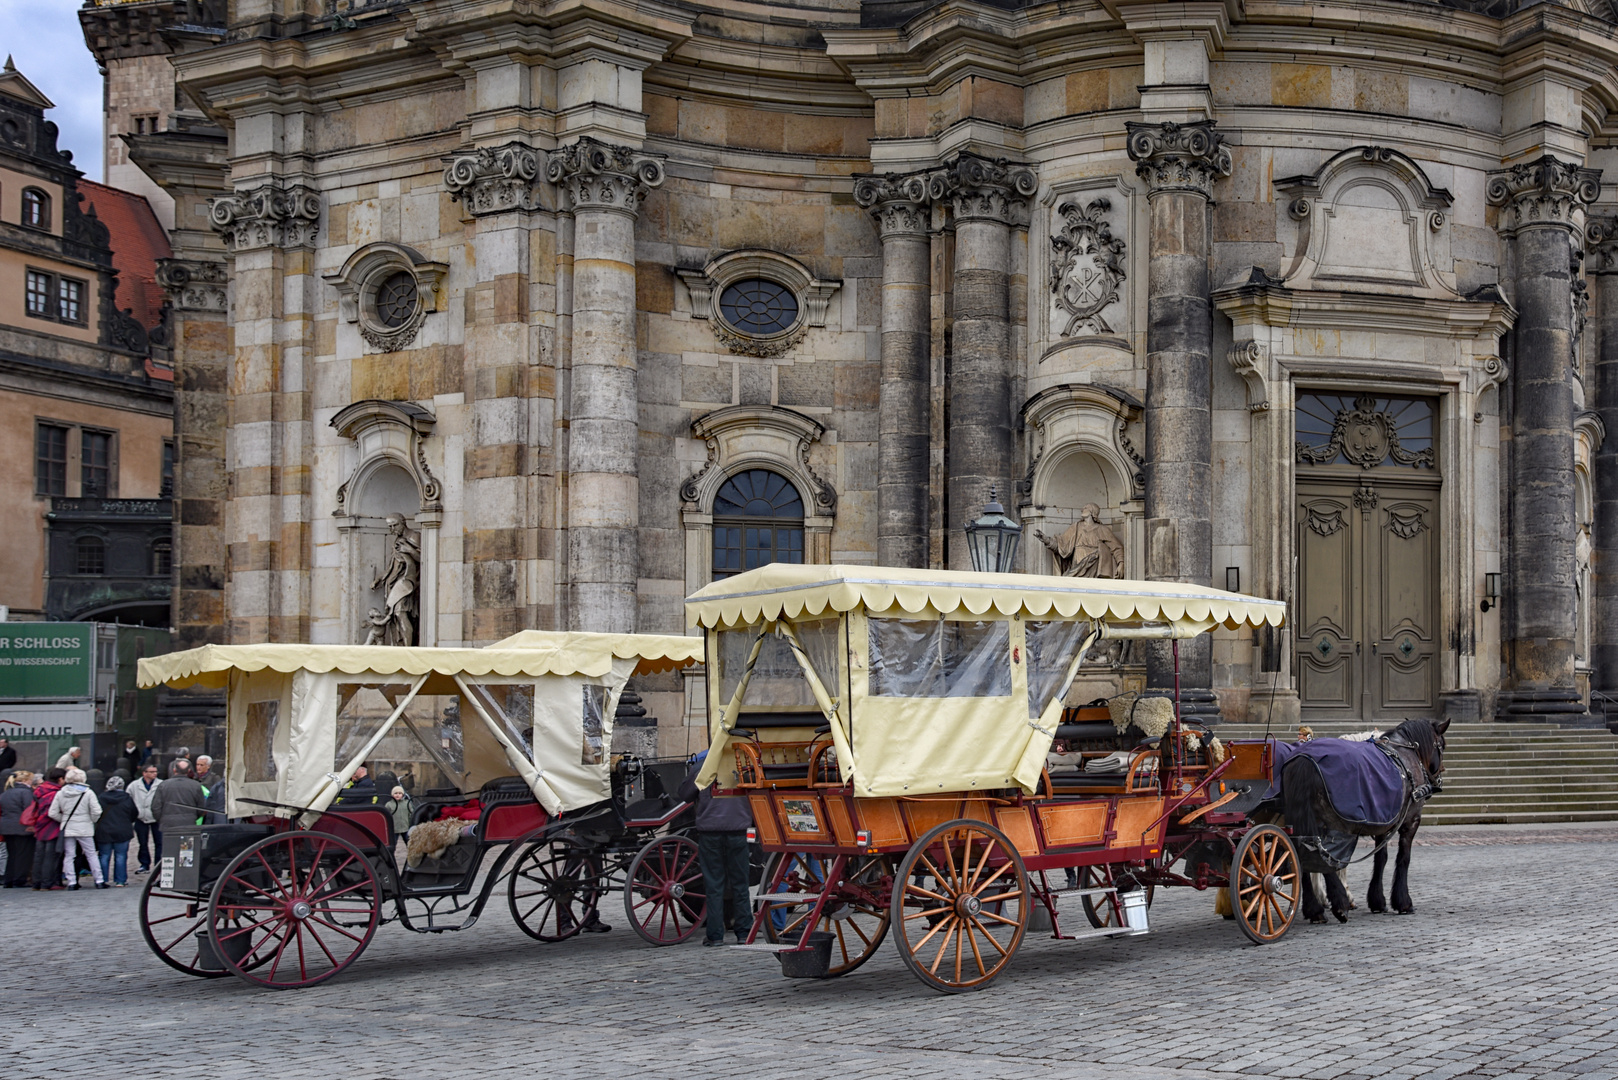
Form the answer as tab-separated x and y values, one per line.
1483	817
1546	789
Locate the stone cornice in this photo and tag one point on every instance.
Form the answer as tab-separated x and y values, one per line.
266	216
1179	157
193	285
1543	193
1252	298
492	180
601	176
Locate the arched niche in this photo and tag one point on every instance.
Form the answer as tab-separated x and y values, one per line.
389	476
1588	435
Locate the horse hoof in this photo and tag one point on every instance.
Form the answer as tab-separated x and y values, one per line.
1318	920
1342	916
1379	910
1407	911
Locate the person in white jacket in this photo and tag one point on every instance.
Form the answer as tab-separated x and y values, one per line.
147	834
78	809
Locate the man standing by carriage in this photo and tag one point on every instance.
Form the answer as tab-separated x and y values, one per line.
722	824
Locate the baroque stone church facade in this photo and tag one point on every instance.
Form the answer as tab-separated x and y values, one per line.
605	299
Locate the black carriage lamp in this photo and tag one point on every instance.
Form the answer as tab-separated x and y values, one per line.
992	539
1491	591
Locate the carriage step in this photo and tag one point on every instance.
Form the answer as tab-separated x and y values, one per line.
782	899
761	947
1099	890
1111	931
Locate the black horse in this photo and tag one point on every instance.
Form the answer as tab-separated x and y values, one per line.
1324	838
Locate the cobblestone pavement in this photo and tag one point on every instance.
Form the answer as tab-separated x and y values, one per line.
1508	969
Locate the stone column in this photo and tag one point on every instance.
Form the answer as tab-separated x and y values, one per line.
987	197
1603	263
1179	163
1542	211
603	185
902	206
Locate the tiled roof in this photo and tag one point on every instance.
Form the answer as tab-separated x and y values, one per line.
138	241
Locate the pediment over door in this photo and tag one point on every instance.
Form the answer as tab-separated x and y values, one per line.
1370	221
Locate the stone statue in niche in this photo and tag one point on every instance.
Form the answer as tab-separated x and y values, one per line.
1087	549
1090	549
395	622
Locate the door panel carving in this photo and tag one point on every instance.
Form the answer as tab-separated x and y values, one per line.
1327	672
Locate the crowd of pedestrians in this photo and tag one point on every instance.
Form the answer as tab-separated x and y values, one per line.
70	823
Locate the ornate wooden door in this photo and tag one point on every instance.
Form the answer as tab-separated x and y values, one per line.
1367	545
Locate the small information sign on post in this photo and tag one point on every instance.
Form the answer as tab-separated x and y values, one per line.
46	661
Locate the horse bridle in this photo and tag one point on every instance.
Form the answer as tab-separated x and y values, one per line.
1432	783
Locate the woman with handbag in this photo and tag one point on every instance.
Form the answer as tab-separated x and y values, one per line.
16	802
77	809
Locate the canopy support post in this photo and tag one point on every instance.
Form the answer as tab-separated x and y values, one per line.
719	737
530	774
335	781
1045	725
845	750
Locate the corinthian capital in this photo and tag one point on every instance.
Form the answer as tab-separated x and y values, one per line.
1542	193
900	202
267	216
1601	242
600	176
193	284
1179	157
493	179
986	189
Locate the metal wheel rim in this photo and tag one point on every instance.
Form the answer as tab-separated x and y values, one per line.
1265	856
853	941
651	902
968	849
317	908
549	906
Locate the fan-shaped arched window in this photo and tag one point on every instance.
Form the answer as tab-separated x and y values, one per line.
92	555
757	519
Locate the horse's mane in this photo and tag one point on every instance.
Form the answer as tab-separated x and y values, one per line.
1418	733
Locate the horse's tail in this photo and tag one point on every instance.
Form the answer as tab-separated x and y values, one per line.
1301	787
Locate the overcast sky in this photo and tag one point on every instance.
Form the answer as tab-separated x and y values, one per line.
45	42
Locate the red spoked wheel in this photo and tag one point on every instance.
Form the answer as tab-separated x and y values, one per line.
663	892
554	890
294	910
856	914
960	905
171	923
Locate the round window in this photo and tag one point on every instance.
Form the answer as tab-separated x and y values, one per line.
759	307
396	299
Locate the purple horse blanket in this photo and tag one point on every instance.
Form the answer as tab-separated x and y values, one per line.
1366	786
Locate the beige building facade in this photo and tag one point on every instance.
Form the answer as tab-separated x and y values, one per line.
607	299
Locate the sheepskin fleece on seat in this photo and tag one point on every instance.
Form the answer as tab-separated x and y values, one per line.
431	839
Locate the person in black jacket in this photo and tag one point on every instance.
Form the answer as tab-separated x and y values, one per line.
8	755
114	831
17	797
722	825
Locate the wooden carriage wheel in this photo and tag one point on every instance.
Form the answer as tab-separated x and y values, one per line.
663	892
857	920
960	902
554	889
170	922
1265	884
293	910
1104	912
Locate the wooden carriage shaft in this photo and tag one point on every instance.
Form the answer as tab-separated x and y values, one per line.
335	781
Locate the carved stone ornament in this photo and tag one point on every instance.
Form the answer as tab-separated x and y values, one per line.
1366	437
266	216
986	189
1325	524
1405	524
1579	297
901	203
758	436
1086	266
813	297
124	331
1543	192
1601	245
1365	497
1179	157
1494	373
393	432
1250	361
494	179
193	284
602	176
413	288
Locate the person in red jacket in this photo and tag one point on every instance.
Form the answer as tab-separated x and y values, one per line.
47	833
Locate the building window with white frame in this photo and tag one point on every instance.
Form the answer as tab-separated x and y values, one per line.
757	520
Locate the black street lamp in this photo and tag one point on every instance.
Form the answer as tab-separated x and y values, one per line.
992	539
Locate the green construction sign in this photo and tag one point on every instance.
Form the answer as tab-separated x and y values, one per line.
46	660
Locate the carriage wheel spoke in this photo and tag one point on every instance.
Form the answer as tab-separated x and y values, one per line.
943	943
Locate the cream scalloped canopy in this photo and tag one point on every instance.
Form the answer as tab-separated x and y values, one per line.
532	653
794	591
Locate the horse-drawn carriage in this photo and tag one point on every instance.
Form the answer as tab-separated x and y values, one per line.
509	747
920	795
